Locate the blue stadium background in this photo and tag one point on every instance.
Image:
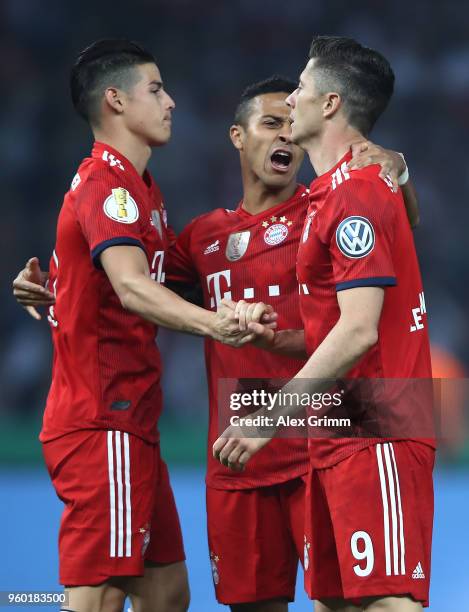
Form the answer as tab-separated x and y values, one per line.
208	52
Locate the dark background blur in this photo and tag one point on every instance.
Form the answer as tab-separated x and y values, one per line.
208	52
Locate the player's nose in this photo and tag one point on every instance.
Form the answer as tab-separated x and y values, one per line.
285	132
170	103
290	101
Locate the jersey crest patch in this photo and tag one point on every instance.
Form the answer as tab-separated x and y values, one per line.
355	237
277	232
237	245
307	546
120	206
213	563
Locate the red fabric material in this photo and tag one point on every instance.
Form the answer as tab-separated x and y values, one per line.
84	467
323	267
106	371
200	255
256	558
347	499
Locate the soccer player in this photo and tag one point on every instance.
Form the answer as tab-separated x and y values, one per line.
120	530
271	491
370	501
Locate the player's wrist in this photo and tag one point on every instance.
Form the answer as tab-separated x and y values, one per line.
404	175
209	325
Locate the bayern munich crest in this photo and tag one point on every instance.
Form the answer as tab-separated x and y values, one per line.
306	554
145	531
276	230
213	564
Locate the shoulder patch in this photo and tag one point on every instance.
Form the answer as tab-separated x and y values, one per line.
120	206
355	237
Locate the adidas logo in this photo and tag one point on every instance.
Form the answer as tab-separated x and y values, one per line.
418	572
212	247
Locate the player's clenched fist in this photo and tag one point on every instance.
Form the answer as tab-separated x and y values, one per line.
29	288
234	318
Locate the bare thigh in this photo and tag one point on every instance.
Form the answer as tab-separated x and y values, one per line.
163	588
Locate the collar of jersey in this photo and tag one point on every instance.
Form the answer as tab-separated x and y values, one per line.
300	191
326	177
97	153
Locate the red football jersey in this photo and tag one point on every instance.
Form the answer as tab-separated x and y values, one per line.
237	255
106	370
356	234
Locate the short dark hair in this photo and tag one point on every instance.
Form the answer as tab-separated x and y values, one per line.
362	76
274	84
102	64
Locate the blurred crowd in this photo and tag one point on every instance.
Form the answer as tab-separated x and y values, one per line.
208	52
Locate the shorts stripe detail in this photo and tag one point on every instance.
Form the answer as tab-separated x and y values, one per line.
401	517
382	479
392	494
112	494
120	508
128	507
120	497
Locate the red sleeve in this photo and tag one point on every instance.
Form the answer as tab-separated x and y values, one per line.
358	224
108	213
180	266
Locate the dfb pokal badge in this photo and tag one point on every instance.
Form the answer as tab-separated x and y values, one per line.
213	562
237	245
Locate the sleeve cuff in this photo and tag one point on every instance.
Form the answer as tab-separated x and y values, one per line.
118	241
373	281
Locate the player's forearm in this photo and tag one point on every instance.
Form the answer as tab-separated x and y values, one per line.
289	342
342	348
160	306
411	203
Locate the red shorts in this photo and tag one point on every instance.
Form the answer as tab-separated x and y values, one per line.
119	506
369	524
255	539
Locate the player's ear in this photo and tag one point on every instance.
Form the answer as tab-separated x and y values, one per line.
237	136
331	104
113	98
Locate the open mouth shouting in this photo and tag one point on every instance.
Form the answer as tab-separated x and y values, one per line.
281	160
